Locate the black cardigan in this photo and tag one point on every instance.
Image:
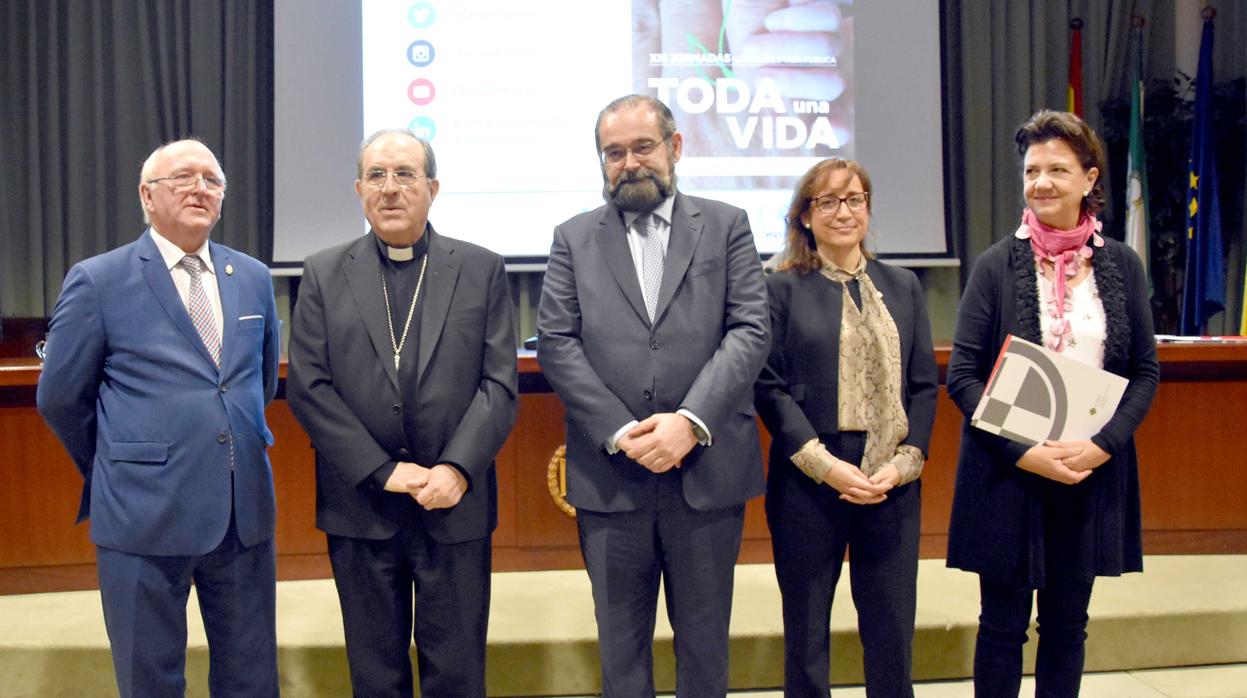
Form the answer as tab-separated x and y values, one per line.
997	526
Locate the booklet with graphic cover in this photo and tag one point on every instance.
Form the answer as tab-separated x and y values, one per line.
1035	394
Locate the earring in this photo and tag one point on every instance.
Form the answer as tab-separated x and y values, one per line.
1085	193
807	226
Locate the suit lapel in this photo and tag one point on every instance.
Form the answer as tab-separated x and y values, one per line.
228	288
363	277
439	288
160	281
686	227
613	240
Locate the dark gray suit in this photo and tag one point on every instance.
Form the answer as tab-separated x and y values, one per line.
457	396
610	365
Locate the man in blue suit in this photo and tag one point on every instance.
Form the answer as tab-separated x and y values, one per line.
161	357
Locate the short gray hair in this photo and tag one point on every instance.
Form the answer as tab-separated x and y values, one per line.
430	161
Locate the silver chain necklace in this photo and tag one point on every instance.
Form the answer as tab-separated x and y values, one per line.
398	346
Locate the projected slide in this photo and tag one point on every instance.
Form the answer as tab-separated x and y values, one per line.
753	84
508	93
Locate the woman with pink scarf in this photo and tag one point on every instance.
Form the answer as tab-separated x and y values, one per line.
1046	520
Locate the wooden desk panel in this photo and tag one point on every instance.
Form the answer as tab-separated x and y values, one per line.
39	489
1192	448
1194	498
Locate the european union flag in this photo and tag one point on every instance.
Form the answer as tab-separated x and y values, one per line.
1203	292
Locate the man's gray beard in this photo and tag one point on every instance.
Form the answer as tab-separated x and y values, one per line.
641	192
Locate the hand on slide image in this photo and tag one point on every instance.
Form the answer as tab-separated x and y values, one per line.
767	41
761	29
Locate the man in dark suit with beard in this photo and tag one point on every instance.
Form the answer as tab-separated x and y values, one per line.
652	327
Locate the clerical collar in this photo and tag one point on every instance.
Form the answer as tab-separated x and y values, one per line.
399	255
663	212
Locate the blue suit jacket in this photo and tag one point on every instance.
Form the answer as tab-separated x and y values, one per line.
168	445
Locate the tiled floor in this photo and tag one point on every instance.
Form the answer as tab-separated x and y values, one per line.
1222	681
1228	681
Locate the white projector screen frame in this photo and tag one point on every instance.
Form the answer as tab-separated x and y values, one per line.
320	118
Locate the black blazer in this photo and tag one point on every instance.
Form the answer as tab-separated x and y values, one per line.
798	392
343	386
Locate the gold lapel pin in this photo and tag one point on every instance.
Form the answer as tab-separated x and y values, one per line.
229	269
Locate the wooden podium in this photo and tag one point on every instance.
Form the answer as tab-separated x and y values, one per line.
1190	446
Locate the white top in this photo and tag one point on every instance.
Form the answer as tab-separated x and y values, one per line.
1085	313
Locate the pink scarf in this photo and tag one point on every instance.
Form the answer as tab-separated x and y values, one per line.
1062	248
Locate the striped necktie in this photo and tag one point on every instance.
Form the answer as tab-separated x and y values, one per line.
200	310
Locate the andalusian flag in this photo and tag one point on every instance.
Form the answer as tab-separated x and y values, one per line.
1136	163
1075	67
1203	290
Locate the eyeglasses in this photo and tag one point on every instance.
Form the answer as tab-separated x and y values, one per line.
189	182
616	154
405	179
828	205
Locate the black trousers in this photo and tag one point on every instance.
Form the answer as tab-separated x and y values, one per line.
694	553
810	530
1062	613
1006	613
376	580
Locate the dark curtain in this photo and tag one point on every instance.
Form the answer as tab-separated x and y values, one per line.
1006	59
1003	61
90	88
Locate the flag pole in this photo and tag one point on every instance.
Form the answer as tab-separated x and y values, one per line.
1137	210
1074	89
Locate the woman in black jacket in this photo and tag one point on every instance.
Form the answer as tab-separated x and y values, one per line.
1050	517
848	395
